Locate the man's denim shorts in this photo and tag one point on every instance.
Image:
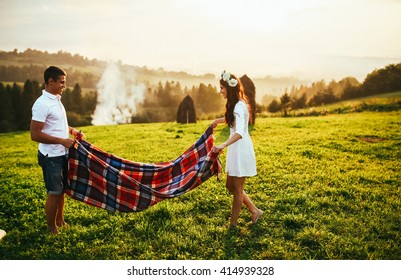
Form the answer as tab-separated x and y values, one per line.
55	173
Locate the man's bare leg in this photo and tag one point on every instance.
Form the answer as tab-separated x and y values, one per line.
60	222
51	207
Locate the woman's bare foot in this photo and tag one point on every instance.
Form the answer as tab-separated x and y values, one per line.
256	216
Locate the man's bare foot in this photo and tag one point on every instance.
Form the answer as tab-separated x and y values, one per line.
230	226
62	224
2	233
256	216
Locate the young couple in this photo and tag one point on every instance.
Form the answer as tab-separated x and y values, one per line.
49	127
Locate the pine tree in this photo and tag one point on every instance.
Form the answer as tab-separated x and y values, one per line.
285	102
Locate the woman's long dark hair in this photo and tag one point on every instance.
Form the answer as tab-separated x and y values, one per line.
234	94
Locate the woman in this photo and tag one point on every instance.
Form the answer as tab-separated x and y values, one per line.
240	159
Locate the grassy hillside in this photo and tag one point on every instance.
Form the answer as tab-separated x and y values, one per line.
387	98
329	187
381	102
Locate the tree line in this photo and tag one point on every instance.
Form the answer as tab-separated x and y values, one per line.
12	73
161	100
384	80
29	64
32	56
160	103
16	105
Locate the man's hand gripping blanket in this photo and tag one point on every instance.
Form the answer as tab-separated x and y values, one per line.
116	184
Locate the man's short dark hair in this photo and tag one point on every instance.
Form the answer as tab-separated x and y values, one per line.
54	73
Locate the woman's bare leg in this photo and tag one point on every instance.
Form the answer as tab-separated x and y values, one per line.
236	186
256	212
238	191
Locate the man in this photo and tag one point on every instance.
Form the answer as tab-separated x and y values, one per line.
49	127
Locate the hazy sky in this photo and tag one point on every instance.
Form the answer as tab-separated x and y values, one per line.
305	38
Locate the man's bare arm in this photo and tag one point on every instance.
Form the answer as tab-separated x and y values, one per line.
38	135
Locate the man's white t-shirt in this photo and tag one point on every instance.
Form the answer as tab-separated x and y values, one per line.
49	110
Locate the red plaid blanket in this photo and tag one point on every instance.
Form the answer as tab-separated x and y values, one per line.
113	183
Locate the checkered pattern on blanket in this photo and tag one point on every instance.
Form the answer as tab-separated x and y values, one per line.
113	183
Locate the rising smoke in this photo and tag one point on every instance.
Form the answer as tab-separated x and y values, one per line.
118	97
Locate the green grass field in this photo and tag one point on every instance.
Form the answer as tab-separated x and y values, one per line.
329	186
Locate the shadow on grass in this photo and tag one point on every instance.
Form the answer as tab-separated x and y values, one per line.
242	242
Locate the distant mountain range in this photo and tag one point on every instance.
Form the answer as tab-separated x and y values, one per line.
268	85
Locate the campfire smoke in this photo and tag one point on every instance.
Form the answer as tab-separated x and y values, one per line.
118	97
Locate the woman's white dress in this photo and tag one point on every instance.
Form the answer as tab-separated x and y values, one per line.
240	159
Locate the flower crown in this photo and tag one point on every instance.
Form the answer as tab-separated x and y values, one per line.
226	76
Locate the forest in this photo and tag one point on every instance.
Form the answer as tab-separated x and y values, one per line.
160	103
20	86
380	81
